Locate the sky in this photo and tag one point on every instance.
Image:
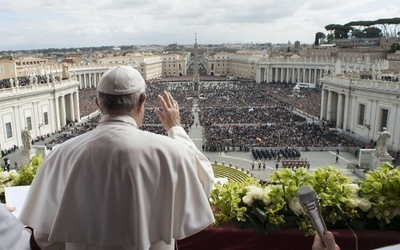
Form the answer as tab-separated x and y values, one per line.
41	24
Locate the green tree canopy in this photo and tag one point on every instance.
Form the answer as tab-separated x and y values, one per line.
319	38
388	26
339	31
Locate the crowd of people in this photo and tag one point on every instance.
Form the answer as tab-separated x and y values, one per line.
309	100
388	78
235	114
249	94
238	114
218	137
244	114
182	91
70	131
87	103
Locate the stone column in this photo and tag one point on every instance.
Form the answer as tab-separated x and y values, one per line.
82	80
62	111
36	119
293	74
323	105
98	78
86	81
352	108
346	112
270	72
287	74
298	75
91	79
20	124
315	77
76	101
57	112
339	117
71	107
329	106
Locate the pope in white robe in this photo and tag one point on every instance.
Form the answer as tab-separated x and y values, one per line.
118	187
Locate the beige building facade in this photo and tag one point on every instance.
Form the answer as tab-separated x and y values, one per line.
240	65
362	107
41	108
329	52
394	56
8	68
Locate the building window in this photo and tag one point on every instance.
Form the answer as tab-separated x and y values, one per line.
45	118
1	70
384	118
361	114
11	68
29	123
8	130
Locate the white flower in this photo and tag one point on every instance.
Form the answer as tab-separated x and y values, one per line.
364	205
13	174
248	200
4	176
255	192
351	189
354	202
295	205
265	196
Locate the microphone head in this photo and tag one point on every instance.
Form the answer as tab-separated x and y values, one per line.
306	194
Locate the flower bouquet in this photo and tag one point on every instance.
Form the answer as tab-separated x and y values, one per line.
370	203
20	177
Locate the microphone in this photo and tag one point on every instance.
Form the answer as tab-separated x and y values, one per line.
309	201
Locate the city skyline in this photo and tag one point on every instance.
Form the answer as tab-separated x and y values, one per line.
41	24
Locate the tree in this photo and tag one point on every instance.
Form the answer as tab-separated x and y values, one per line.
319	38
372	32
388	26
394	48
339	31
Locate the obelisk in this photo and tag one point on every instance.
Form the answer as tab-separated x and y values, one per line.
196	69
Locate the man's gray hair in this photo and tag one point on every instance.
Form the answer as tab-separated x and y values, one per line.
118	103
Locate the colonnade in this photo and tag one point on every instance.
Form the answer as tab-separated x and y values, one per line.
362	107
66	109
43	108
290	73
89	79
335	107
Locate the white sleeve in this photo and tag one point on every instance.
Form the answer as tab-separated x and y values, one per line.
12	233
204	169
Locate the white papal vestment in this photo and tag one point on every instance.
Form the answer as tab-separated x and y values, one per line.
118	187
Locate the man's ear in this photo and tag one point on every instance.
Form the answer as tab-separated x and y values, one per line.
142	99
97	102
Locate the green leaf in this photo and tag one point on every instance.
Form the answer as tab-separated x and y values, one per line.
259	214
